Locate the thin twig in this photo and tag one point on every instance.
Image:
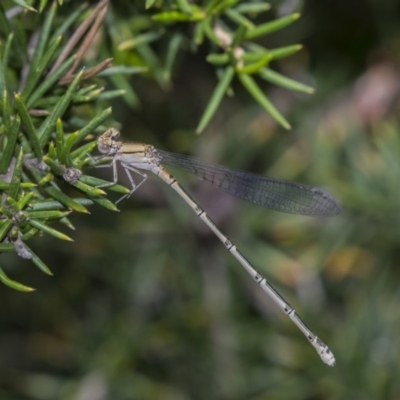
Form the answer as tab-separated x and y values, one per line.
77	35
107	63
88	39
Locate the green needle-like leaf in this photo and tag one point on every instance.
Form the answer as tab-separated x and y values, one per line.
237	17
259	96
69	142
13	284
208	30
9	150
59	138
52	151
284	51
78	155
38	262
149	3
198	36
49	54
177	16
211	5
42	43
184	6
216	98
50	214
4	228
172	52
223	5
139	40
255	67
254	56
280	80
67	201
45	33
45	228
6	213
123	69
24	4
12	203
269	27
85	90
218	6
92	181
38	70
252	8
6	111
30	234
92	125
16	177
122	83
67	223
89	190
6	52
21	39
42	5
34	71
105	203
55	205
218	59
4	22
49	82
28	124
57	168
46	179
111	94
45	129
3	91
152	59
239	36
24	185
24	200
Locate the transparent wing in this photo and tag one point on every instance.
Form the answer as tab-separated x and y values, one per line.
277	194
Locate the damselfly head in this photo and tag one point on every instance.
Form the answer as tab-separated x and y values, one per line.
106	143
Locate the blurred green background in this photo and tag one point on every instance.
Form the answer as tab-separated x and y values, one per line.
148	304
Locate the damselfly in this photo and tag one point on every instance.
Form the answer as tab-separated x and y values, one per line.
273	193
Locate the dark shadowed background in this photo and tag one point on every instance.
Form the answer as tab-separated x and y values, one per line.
148	304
